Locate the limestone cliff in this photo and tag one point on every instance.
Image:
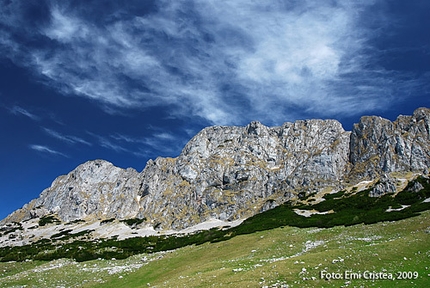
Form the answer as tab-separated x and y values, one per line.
95	189
381	146
230	173
234	172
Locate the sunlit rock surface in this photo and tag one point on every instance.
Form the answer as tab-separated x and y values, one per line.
231	173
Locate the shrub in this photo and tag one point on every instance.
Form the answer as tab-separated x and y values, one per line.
133	221
107	221
48	219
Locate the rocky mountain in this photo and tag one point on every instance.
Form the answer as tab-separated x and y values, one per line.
231	173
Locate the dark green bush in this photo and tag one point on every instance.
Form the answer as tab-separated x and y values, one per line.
48	219
133	221
107	221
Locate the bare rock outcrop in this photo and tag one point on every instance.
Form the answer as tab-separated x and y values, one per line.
95	189
229	173
379	145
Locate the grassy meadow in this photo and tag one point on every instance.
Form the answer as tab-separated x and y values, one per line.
292	256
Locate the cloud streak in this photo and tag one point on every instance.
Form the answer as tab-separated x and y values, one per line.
17	110
66	138
110	144
46	149
227	62
154	143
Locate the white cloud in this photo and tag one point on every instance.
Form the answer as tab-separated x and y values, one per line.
66	138
45	149
227	62
140	146
160	142
296	55
165	136
64	28
106	142
17	110
127	139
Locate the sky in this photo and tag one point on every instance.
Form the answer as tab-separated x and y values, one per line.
128	81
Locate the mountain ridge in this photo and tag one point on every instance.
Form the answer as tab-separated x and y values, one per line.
230	173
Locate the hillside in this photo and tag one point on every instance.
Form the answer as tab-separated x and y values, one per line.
272	258
232	173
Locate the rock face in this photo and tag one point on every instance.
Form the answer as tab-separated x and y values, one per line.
230	173
233	172
379	145
94	189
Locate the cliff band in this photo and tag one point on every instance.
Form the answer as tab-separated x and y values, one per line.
230	173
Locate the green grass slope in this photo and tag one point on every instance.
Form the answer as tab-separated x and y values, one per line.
292	256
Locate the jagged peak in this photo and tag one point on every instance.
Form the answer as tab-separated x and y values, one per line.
256	128
97	163
314	124
418	115
421	113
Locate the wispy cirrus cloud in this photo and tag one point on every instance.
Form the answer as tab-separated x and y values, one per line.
46	149
109	143
17	110
66	138
159	142
227	62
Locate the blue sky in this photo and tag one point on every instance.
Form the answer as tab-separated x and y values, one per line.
82	80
